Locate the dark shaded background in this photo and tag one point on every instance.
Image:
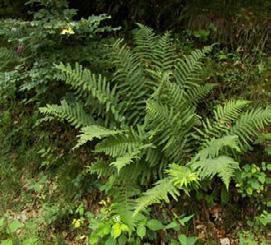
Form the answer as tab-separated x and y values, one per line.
236	22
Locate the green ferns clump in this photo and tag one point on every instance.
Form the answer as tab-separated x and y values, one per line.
147	121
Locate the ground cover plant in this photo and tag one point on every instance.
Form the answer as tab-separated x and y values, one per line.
129	135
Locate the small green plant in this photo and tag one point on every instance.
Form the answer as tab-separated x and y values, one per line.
251	179
107	227
203	35
13	231
264	219
187	240
110	228
178	224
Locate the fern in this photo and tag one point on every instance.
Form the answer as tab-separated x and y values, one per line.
83	80
172	128
124	203
74	113
126	147
206	164
155	52
223	118
165	54
180	178
223	166
90	132
120	144
101	169
147	117
160	192
145	38
131	83
214	146
200	92
125	160
188	69
230	119
249	125
210	161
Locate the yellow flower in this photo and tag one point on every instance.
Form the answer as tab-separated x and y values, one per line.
67	30
76	223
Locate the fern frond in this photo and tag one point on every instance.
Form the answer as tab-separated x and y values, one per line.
145	39
223	166
188	69
102	169
121	144
210	161
8	57
172	128
224	116
130	156
196	94
156	52
165	54
131	83
160	192
139	172
127	64
179	178
73	113
174	96
118	145
125	160
97	86
249	125
214	147
126	147
230	110
124	203
183	177
90	132
153	155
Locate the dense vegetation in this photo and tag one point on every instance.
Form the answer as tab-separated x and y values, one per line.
140	123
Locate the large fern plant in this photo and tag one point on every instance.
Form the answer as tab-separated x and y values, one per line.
145	117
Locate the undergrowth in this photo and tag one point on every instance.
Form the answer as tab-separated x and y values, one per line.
145	140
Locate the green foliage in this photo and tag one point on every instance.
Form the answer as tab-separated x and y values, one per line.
90	132
152	88
83	81
251	179
105	228
14	231
154	137
264	219
73	113
249	124
223	117
51	36
184	240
